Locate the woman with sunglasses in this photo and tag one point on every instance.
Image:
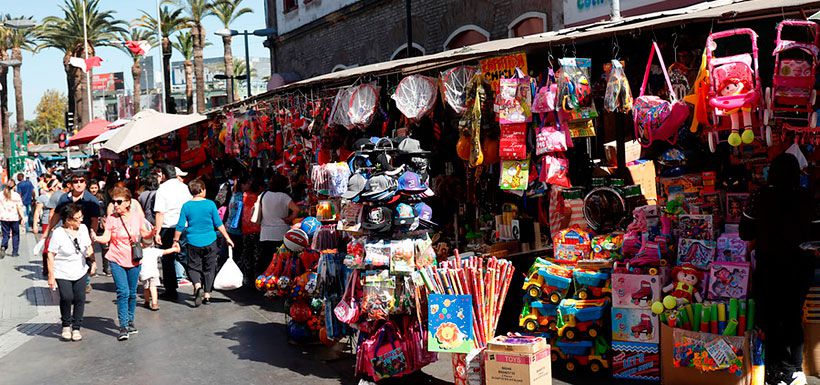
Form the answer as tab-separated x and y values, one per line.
69	255
123	227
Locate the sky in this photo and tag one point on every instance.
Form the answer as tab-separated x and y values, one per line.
44	70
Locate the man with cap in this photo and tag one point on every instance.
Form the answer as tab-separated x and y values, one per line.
171	195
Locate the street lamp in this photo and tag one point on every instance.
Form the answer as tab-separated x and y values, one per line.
265	32
231	78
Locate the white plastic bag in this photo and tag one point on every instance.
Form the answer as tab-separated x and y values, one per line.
229	277
38	248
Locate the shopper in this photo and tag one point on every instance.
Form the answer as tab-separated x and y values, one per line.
11	213
170	197
200	217
41	209
148	197
779	219
233	217
69	256
122	228
79	194
276	210
26	190
250	230
149	272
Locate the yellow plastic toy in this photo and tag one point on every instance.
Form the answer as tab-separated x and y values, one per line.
698	97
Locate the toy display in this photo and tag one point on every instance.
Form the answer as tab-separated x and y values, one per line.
635	291
730	248
591	284
697	252
588	354
728	280
450	323
581	318
538	316
735	202
548	281
695	227
634	325
684	288
571	245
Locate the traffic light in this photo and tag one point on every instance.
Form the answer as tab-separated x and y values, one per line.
61	139
69	121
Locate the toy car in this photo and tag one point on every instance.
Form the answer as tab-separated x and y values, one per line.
581	316
591	284
548	280
538	316
578	353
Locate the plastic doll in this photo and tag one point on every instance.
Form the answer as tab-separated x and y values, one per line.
735	86
684	286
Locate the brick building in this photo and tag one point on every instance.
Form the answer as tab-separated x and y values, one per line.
321	36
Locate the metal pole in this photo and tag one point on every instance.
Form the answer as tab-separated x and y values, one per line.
615	11
409	29
87	70
161	58
247	64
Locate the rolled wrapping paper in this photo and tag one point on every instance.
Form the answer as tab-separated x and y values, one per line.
750	319
721	317
697	312
741	321
731	328
733	309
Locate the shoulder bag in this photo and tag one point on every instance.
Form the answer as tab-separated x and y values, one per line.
256	216
655	118
136	245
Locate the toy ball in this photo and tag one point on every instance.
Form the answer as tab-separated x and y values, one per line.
316	305
734	139
297	331
271	282
311	284
324	339
260	282
299	311
310	225
657	308
747	137
296	240
314	323
670	302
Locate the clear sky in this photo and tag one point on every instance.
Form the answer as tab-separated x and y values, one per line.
44	70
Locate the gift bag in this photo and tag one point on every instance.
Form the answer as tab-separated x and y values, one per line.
384	353
513	142
554	171
348	310
655	118
548	139
229	276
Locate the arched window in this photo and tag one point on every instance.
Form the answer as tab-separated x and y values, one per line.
340	67
529	23
466	35
401	52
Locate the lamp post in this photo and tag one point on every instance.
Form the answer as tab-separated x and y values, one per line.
231	78
266	32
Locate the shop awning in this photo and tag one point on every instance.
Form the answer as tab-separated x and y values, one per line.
91	130
105	136
708	10
147	125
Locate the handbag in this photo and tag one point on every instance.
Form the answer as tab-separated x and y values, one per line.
256	216
349	310
384	353
655	118
136	246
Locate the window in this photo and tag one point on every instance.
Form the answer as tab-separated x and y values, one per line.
401	52
529	23
466	35
290	5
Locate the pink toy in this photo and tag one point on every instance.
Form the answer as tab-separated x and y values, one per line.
728	280
730	248
634	325
791	98
734	89
636	291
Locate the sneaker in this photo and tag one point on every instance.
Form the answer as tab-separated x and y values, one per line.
76	336
66	334
198	297
206	301
15	254
123	334
798	378
183	282
131	328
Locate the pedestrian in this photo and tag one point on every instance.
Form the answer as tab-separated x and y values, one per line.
122	229
170	197
779	218
250	230
70	260
199	217
62	189
276	210
149	272
11	213
26	190
41	209
233	216
148	196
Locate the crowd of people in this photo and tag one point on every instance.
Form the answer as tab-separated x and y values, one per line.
157	230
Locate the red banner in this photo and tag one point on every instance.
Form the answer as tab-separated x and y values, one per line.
499	67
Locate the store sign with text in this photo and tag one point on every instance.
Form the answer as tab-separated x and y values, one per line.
579	11
498	67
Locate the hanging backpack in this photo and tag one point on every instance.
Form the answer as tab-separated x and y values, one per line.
656	118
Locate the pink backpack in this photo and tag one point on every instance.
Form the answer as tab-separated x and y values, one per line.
655	118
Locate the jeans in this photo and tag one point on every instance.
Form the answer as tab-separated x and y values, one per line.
169	276
29	216
72	297
202	265
126	278
11	228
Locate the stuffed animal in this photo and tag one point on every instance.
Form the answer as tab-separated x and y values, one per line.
684	288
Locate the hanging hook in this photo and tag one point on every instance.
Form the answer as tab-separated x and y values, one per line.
574	50
675	45
616	48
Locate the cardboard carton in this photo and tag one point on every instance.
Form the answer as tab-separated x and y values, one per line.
688	376
518	363
636	361
635	291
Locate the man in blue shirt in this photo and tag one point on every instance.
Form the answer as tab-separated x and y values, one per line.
26	190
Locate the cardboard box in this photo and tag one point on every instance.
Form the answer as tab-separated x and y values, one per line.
634	325
632	151
636	361
688	376
468	369
635	291
518	364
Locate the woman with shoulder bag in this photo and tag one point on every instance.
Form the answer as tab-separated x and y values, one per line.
275	209
69	256
123	230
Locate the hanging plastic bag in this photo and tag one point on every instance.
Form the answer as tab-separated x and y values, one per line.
338	114
575	90
454	87
415	96
229	276
618	95
554	171
364	100
546	96
548	139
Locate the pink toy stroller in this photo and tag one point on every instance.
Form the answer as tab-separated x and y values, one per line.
790	101
734	90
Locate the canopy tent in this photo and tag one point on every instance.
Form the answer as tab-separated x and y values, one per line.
105	136
147	125
91	130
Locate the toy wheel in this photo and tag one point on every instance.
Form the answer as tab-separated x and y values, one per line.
592	332
571	366
767	98
653	271
595	366
664	262
813	120
555	298
531	325
768	136
712	139
583	294
813	97
554	356
570	333
534	291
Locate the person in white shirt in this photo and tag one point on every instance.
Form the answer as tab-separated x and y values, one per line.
171	195
276	210
69	255
11	214
149	274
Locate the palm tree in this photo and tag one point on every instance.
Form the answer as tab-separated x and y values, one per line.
227	11
185	46
66	34
137	34
5	34
171	20
197	10
21	39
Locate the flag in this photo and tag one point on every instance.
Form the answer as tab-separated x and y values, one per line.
85	64
138	48
93	61
77	62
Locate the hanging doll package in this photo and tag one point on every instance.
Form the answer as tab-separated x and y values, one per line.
379	294
618	95
512	104
575	92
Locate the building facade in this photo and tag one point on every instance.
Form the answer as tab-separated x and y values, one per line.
321	36
215	89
